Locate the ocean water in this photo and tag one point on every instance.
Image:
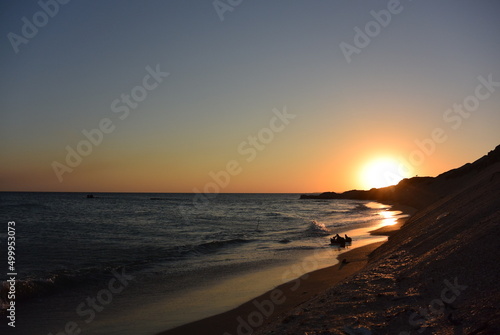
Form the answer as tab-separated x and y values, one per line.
142	263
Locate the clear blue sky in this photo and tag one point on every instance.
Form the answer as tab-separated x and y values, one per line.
225	79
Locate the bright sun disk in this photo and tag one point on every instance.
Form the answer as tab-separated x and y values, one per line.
381	172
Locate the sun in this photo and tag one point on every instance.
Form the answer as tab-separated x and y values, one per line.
382	172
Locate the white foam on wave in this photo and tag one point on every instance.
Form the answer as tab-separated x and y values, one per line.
318	228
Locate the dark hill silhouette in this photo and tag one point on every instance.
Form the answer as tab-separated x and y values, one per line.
419	192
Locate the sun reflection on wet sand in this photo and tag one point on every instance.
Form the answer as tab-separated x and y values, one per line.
389	217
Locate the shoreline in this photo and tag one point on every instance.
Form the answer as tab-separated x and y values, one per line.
262	310
281	299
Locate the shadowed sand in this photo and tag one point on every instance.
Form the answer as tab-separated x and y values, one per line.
286	296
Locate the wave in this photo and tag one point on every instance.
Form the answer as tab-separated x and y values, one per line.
46	284
360	207
28	205
215	245
33	288
340	211
283	216
41	285
186	201
303	247
208	247
317	229
26	289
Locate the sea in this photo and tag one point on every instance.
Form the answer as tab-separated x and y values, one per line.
140	263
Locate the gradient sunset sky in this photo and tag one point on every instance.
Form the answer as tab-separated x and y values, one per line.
228	79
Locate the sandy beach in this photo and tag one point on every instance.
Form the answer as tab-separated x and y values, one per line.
278	302
437	274
253	314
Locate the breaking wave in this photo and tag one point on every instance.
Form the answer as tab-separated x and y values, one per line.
317	229
360	207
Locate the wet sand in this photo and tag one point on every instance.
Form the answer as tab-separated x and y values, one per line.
271	305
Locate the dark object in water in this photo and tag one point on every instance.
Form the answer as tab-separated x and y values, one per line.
90	196
338	240
285	241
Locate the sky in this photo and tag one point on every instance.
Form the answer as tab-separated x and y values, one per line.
244	96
